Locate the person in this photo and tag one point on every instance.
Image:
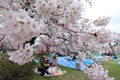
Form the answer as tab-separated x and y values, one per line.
43	71
54	61
44	66
59	54
114	57
75	57
68	57
109	53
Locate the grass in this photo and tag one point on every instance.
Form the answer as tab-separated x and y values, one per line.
3	54
113	68
95	54
70	75
118	55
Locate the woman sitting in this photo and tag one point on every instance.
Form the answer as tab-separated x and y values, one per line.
44	66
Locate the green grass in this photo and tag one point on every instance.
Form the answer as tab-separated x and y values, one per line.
3	54
118	55
95	54
70	75
113	68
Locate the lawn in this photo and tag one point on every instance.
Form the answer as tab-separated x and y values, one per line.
70	75
3	54
113	68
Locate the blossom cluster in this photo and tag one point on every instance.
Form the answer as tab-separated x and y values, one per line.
97	72
19	26
103	35
67	11
102	21
22	56
42	41
10	5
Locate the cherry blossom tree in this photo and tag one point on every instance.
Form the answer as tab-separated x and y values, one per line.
60	21
97	72
114	43
4	42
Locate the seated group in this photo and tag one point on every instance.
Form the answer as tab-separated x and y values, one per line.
48	67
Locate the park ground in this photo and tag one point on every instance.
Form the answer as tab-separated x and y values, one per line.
112	66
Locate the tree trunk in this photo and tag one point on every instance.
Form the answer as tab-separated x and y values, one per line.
112	48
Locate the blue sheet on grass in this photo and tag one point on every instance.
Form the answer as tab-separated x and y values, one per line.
36	61
119	63
88	61
72	64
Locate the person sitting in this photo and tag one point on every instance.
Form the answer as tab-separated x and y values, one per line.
114	57
44	66
54	61
43	71
75	56
59	54
69	57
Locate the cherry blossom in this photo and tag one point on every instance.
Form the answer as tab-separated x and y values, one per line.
97	72
22	56
18	23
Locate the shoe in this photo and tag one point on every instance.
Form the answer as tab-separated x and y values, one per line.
47	75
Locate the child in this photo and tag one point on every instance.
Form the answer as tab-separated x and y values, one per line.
54	61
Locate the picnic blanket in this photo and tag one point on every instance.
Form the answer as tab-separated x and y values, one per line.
36	61
53	72
73	64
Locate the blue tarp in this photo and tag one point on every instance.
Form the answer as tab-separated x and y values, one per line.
72	64
98	57
88	61
36	61
119	63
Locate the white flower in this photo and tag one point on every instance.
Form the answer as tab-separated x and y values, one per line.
22	56
97	72
15	6
22	16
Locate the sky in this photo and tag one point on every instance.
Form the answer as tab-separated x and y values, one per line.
109	8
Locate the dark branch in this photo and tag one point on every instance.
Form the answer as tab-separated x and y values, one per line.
2	38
